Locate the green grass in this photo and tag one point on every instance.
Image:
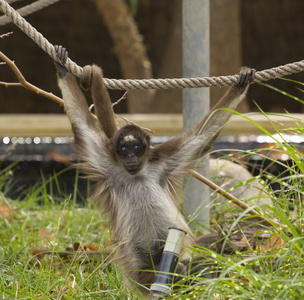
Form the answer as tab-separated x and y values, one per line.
29	227
56	225
41	221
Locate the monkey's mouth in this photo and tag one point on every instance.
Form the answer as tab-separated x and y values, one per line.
132	168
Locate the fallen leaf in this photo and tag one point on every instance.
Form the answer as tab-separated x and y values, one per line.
44	234
244	279
38	252
245	241
89	247
76	246
275	242
5	211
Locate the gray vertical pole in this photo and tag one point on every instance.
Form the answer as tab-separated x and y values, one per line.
196	101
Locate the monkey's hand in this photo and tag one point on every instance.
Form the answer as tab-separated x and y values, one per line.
246	76
62	55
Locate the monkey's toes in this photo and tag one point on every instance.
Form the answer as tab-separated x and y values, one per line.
246	76
86	77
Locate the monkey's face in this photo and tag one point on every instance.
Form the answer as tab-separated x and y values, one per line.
131	148
131	153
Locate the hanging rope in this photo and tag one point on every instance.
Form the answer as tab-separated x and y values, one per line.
28	9
12	1
129	84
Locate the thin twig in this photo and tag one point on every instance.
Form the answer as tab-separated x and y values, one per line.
133	123
8	84
2	36
26	84
124	96
232	198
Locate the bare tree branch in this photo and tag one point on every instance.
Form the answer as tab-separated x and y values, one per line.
123	97
2	36
24	83
230	197
133	123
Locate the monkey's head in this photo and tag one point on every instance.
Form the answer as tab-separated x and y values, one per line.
131	145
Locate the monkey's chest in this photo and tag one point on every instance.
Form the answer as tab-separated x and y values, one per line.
144	212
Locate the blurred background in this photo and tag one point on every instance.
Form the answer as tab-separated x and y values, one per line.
143	39
139	39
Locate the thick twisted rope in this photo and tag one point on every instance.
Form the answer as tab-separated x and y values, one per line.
28	9
129	84
12	1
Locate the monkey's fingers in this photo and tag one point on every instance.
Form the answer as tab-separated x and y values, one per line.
62	53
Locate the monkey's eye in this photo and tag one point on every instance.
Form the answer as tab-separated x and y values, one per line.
123	149
137	148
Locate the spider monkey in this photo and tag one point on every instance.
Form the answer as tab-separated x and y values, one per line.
136	184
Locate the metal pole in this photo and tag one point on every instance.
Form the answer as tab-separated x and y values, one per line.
196	101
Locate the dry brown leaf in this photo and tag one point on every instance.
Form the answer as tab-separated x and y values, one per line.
76	246
275	242
244	279
89	247
69	249
38	252
44	234
245	241
5	211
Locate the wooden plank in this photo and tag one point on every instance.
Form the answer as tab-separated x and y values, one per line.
239	125
31	125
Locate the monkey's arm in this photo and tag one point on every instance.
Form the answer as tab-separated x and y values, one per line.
214	121
90	141
184	150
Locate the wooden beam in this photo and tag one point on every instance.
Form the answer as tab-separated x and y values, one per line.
52	125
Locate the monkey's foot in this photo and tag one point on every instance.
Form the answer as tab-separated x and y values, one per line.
86	77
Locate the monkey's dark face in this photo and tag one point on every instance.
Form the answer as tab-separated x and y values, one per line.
131	151
131	146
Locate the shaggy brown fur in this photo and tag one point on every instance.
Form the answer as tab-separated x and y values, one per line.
141	206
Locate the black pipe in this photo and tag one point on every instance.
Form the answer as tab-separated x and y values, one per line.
168	263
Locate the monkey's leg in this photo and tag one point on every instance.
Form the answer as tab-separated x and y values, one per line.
92	78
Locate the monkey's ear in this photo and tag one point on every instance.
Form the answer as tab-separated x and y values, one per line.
147	138
112	143
86	78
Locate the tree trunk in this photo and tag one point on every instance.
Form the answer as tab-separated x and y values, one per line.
225	44
129	49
